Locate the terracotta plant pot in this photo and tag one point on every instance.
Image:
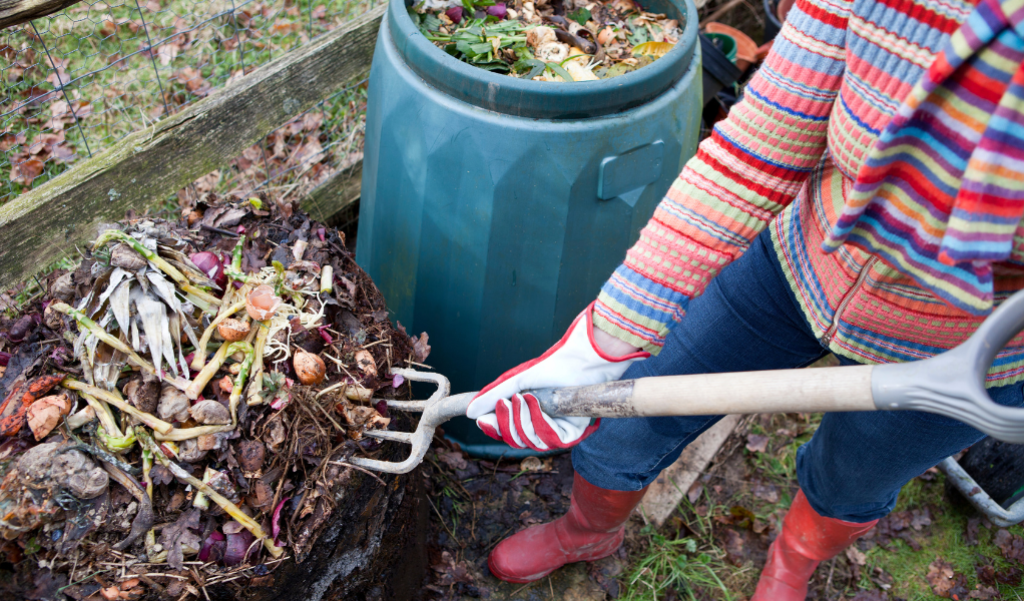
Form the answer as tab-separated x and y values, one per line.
746	49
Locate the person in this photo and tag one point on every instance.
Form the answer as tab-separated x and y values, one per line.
863	199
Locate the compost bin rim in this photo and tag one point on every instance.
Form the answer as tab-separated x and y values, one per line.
536	99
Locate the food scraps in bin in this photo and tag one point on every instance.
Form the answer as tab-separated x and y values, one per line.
548	40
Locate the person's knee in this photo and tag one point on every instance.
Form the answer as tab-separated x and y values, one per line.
838	507
840	493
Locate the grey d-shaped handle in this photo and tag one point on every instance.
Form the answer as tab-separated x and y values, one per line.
953	383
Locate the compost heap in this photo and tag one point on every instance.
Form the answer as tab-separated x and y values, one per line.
548	40
131	463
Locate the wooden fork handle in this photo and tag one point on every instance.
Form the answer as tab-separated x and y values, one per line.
779	391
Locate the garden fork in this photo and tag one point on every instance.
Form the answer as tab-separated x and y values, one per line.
950	384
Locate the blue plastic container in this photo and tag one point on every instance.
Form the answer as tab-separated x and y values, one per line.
493	208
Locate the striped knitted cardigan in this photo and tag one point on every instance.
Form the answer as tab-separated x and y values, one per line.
786	158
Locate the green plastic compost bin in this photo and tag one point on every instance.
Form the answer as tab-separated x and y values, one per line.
493	208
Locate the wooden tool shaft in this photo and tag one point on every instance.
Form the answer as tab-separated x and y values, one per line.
781	391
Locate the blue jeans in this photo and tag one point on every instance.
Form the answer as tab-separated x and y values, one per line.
748	319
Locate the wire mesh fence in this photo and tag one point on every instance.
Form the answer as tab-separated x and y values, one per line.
80	80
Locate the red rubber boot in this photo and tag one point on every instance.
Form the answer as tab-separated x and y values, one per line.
806	540
593	528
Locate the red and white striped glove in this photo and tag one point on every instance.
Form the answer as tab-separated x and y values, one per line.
504	413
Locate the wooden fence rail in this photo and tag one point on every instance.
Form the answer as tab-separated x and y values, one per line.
16	12
145	167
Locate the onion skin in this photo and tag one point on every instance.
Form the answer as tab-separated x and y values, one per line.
213	547
455	14
237	547
498	10
275	521
5	358
212	266
22	328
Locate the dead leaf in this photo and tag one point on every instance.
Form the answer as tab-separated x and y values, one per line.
989	575
310	152
920	518
161	475
191	78
364	360
984	593
82	109
9	140
449	571
264	495
37	95
757	443
231	218
180	534
59	108
1011	545
735	547
44	414
971	532
283	27
168	52
945	581
872	595
58	75
856	556
25	171
311	121
62	153
420	347
349	285
207	183
452	459
940	577
275	434
696	489
766	491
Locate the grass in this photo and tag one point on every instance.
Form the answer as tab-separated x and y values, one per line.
908	567
696	567
677	564
691	566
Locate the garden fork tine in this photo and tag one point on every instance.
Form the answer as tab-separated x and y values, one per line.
438	409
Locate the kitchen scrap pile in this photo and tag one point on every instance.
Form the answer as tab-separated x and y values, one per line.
548	40
178	409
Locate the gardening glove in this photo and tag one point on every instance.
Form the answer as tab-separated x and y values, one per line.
506	413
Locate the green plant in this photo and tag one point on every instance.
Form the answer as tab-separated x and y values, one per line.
683	565
479	41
